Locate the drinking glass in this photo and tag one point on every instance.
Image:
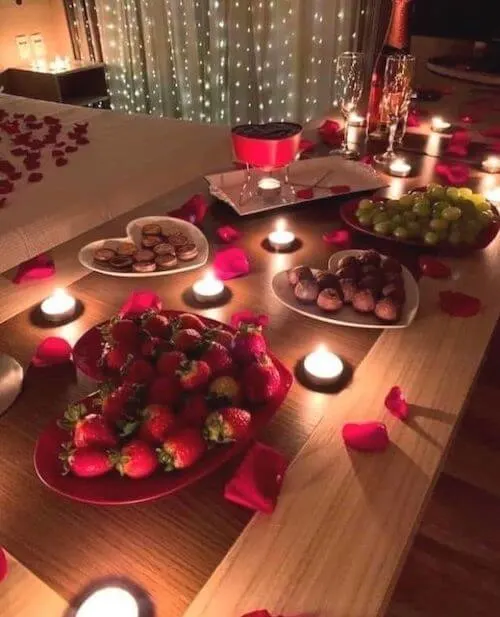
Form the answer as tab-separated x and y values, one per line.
403	120
395	97
350	76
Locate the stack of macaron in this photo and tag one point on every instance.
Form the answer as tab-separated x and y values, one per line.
159	250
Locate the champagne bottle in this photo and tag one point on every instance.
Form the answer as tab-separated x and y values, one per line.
397	40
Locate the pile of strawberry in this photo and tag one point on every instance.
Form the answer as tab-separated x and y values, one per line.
176	388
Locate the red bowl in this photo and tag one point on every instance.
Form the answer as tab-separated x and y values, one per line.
112	489
266	152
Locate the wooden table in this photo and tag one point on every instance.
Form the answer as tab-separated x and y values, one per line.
344	521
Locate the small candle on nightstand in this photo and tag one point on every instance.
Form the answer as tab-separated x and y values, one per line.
399	168
322	367
109	601
281	239
58	307
438	125
491	164
208	289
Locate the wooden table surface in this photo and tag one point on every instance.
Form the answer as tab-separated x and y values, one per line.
172	546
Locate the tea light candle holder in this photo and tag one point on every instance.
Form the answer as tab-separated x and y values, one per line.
438	125
58	307
281	239
269	188
209	289
323	367
109	601
354	119
400	168
491	164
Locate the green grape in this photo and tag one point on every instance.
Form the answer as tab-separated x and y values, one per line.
467	207
484	218
436	192
438	224
401	233
482	206
431	238
365	221
383	227
392	203
406	201
413	229
422	208
397	220
380	217
476	198
452	193
409	215
451	213
438	207
365	204
465	192
454	237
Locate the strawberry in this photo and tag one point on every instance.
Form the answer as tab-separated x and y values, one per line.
194	410
116	357
217	357
165	390
248	343
137	459
181	449
86	462
188	321
150	346
223	337
158	421
225	390
125	332
114	402
227	424
156	324
169	362
261	380
138	370
94	430
186	340
194	374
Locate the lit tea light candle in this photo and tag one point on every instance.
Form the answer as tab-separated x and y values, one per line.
281	239
107	602
355	119
58	307
491	164
208	289
399	168
438	125
58	65
269	188
323	367
493	195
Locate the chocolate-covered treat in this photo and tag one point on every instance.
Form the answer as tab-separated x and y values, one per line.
144	266
371	258
364	301
144	255
348	262
391	265
148	242
393	277
306	291
349	272
328	280
373	282
164	249
165	262
151	229
298	273
329	300
126	249
121	262
396	291
349	288
187	252
387	310
103	255
369	269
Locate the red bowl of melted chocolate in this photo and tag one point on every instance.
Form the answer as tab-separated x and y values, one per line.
266	146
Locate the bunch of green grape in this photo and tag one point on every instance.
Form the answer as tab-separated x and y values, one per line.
440	214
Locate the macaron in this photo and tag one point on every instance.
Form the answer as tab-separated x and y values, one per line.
103	255
126	249
144	255
165	262
144	266
121	262
149	242
164	249
187	252
151	229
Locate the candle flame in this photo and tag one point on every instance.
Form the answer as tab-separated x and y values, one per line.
280	225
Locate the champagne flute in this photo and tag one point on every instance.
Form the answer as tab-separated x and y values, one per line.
395	96
350	76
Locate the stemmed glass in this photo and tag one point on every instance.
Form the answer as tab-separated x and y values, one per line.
350	76
395	97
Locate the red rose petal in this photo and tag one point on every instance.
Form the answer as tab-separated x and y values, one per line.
40	267
228	234
367	159
307	193
57	153
34	125
16	175
493	131
194	210
51	120
31	164
139	302
36	144
71	148
3	201
3	564
341	238
433	268
331	132
35	177
6	187
248	316
18	152
18	115
338	189
453	173
6	167
366	436
60	144
30	118
82	141
51	351
61	161
231	263
458	304
306	145
396	403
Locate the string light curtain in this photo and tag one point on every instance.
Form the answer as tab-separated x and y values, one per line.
228	61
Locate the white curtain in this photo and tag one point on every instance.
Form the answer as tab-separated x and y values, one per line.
229	61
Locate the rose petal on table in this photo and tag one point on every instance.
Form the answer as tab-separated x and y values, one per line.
258	613
139	302
339	189
453	173
18	152
470	118
61	161
248	316
341	238
366	436
331	132
35	177
306	193
81	140
433	268
231	263
228	234
458	304
6	187
6	167
40	267
396	403
306	145
493	131
193	211
51	351
413	119
3	564
3	201
71	148
367	159
257	482
459	143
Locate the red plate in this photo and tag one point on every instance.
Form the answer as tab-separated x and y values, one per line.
487	235
114	490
